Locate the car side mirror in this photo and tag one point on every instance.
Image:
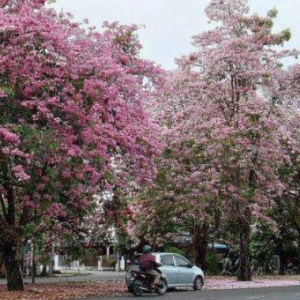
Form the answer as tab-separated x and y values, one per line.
190	265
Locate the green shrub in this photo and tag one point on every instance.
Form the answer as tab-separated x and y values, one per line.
174	249
212	262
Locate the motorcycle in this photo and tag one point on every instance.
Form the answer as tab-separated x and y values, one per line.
290	269
142	282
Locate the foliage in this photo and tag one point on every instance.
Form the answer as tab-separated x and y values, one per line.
72	122
174	249
212	263
226	120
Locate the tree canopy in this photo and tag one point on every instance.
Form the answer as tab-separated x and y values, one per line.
72	120
227	121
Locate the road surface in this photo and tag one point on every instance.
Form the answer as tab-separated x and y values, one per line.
274	293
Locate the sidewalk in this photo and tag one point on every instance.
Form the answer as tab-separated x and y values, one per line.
211	282
226	282
78	276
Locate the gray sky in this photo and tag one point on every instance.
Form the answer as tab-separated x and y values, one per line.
170	24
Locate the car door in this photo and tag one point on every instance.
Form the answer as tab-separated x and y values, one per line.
168	268
185	271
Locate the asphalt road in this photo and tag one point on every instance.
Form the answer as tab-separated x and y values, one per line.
274	293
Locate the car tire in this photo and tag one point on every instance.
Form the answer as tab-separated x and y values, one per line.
198	283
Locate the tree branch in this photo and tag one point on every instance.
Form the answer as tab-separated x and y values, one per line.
3	207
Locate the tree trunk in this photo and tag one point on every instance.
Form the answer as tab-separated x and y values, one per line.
8	228
244	273
44	270
282	256
298	261
13	271
200	244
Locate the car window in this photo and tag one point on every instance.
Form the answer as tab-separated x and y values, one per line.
167	260
181	262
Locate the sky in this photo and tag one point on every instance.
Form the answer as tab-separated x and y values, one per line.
170	24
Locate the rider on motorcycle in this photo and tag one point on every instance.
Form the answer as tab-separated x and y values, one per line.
148	265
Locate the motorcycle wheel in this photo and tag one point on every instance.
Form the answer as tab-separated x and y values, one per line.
137	288
162	286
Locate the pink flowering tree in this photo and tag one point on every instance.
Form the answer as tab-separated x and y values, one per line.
224	129
178	207
285	210
72	122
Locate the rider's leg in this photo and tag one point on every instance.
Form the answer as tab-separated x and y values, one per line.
156	276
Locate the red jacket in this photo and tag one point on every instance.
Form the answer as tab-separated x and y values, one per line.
147	262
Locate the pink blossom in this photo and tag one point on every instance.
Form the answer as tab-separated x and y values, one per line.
66	174
20	173
5	150
9	136
74	151
17	169
18	152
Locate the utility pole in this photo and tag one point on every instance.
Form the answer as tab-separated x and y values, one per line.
33	263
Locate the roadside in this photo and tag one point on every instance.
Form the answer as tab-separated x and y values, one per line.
112	284
225	282
66	276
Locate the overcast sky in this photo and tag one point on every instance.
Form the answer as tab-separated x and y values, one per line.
170	24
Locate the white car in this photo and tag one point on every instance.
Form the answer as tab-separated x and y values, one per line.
178	271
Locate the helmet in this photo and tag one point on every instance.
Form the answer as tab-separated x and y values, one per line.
146	249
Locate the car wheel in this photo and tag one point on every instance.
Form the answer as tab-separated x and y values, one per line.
198	283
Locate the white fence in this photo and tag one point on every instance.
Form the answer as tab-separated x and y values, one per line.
63	262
